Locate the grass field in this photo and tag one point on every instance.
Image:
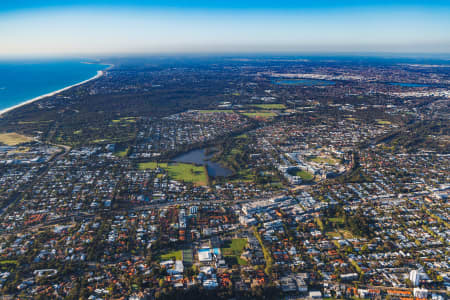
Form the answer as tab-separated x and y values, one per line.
323	159
236	151
8	262
125	119
383	122
98	141
260	115
121	153
13	139
339	220
151	165
234	250
333	234
211	111
304	175
20	149
270	106
180	171
245	175
188	256
242	136
276	184
177	254
34	122
341	233
386	147
346	234
7	265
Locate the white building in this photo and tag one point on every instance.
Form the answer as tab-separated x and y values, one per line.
420	293
414	277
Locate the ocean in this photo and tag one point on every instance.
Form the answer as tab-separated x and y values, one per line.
24	80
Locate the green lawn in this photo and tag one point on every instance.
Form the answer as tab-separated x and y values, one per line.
323	159
7	265
276	184
383	122
236	151
97	141
9	262
177	254
339	220
235	249
346	234
304	175
121	153
236	246
180	171
211	111
126	119
187	256
260	115
333	234
151	165
270	106
245	175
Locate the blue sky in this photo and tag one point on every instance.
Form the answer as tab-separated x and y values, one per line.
12	5
101	27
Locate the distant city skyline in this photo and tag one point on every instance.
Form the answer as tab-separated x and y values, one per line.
48	28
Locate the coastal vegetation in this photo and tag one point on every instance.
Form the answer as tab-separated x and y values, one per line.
102	111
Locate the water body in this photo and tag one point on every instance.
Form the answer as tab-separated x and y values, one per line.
24	80
408	84
200	158
304	82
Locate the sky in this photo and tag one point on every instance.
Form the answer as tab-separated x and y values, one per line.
109	27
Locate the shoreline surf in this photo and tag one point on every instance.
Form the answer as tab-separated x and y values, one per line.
99	74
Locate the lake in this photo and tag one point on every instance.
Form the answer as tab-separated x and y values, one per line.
200	158
304	82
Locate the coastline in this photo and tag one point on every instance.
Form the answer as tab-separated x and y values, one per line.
99	74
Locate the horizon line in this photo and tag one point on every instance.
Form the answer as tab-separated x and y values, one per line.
398	54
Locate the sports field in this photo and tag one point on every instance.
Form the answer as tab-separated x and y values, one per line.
180	171
13	139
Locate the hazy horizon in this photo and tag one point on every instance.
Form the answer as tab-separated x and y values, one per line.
103	28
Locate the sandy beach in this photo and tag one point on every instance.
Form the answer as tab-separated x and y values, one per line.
99	74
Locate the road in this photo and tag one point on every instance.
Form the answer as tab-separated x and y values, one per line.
41	173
